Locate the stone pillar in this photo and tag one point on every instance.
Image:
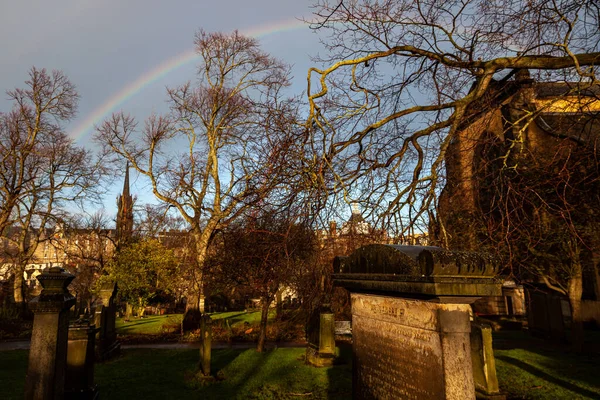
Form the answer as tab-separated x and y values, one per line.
320	349
327	334
484	364
80	362
205	345
48	352
410	319
105	319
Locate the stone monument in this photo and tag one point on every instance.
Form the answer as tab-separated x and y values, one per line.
80	362
484	363
320	350
410	319
105	318
48	351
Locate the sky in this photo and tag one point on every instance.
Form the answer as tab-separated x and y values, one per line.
122	54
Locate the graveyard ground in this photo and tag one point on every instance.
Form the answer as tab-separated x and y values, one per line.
229	326
537	371
169	374
528	368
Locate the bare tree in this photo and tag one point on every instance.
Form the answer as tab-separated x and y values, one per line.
405	78
401	76
153	220
42	169
220	148
88	244
38	111
61	173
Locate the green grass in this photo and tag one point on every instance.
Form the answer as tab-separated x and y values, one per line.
150	325
158	324
238	318
547	374
169	374
534	369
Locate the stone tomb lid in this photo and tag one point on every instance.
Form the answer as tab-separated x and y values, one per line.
422	270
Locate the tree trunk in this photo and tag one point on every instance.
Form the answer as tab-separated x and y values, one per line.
128	311
262	335
18	287
194	307
279	304
575	292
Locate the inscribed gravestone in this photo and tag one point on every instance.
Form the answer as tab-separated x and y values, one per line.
410	317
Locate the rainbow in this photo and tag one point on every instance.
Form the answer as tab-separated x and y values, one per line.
155	74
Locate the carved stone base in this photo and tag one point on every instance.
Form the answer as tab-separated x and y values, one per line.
316	359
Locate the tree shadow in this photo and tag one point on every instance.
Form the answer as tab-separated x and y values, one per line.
547	377
131	326
340	377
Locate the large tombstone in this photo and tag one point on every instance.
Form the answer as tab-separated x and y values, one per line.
105	319
410	319
79	383
48	350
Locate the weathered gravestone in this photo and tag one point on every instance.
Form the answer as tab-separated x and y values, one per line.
48	350
484	364
410	319
80	362
107	345
320	350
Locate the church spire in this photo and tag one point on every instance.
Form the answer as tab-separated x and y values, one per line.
124	212
126	183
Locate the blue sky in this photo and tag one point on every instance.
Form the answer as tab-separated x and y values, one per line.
103	45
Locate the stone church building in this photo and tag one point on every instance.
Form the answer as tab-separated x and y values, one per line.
524	169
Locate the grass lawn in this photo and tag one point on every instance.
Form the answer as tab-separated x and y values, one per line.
169	374
161	324
548	374
527	369
150	325
238	318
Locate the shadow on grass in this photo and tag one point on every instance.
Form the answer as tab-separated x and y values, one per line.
227	317
166	374
340	377
547	377
133	325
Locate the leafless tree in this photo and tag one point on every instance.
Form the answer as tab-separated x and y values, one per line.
87	245
38	110
221	147
152	220
41	169
401	80
401	76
